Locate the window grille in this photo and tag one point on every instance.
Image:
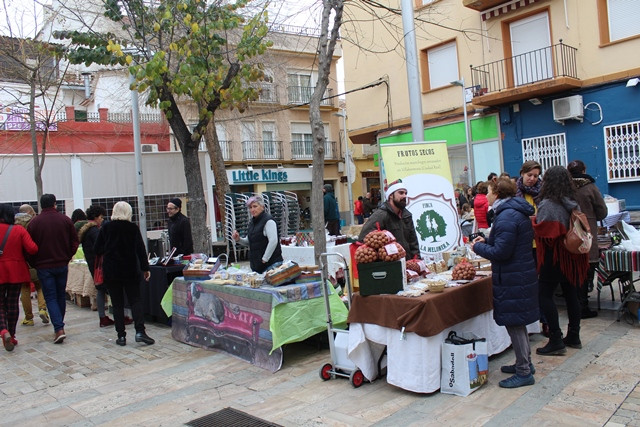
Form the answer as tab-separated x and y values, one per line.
622	148
548	150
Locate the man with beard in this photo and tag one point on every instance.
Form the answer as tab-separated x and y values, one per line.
392	216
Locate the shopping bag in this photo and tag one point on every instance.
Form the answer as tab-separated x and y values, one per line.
465	364
98	278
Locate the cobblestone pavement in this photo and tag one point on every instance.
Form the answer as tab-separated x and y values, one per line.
89	380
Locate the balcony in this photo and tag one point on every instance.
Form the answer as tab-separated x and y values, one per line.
268	93
225	147
303	150
302	95
481	5
537	73
262	150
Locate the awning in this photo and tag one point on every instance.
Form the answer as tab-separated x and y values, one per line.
505	8
289	186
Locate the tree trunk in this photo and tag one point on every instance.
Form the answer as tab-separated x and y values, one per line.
38	163
219	171
326	47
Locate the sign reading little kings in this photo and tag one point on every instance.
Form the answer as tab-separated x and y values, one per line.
263	175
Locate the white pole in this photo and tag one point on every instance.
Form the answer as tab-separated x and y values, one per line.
137	149
466	128
413	73
347	160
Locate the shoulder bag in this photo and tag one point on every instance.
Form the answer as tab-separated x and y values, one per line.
578	239
4	241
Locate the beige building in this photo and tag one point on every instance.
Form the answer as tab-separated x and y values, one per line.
522	61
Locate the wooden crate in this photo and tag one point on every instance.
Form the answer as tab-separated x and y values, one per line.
81	301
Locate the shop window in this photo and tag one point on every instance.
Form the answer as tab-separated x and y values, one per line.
622	148
439	65
548	150
618	20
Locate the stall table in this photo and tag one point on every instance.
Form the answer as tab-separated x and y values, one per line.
413	330
617	264
80	283
249	323
152	292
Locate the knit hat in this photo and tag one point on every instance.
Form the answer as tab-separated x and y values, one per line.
328	188
176	201
395	186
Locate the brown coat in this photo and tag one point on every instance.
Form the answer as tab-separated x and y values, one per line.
593	206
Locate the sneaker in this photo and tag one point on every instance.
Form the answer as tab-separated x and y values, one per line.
28	322
60	336
106	321
44	316
516	381
6	340
128	320
588	314
511	369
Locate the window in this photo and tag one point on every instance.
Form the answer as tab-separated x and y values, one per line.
269	140
302	141
548	150
622	148
299	87
439	66
618	19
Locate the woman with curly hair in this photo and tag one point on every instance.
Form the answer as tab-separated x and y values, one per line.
556	265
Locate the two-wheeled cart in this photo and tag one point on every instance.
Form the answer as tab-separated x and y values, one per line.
341	365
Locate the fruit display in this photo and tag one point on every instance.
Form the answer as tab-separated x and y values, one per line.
365	254
391	252
463	271
378	238
418	265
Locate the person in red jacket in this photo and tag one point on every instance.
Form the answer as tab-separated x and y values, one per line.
13	273
481	207
358	210
57	242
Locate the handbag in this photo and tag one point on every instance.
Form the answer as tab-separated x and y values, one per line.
4	240
465	364
98	277
579	238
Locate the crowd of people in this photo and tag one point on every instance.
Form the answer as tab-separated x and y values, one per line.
35	250
527	219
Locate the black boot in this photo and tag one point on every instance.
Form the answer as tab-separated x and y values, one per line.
573	338
555	346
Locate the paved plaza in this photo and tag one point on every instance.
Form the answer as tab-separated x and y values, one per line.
89	380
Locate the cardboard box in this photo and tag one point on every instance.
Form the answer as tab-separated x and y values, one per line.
377	278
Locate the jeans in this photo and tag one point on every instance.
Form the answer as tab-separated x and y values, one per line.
54	285
117	292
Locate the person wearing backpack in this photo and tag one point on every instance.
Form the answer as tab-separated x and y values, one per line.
556	265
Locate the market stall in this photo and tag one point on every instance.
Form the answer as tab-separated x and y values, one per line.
414	328
154	290
250	323
80	283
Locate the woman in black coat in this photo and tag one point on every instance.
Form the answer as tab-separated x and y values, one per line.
514	275
124	263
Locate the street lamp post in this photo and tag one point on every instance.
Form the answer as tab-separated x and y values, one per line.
347	161
466	128
137	149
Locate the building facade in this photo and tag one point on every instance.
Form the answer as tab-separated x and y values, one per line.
547	80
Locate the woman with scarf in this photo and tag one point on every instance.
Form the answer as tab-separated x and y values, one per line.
528	187
595	209
556	265
262	237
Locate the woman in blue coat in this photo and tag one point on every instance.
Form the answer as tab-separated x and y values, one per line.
514	275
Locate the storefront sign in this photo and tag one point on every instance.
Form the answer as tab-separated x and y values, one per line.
279	175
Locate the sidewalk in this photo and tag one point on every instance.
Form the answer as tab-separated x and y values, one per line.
89	380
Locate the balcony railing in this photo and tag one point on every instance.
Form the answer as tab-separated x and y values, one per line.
268	93
262	150
303	150
302	95
551	62
225	147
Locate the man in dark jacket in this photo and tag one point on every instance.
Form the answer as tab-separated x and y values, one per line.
592	204
393	216
57	242
331	212
179	228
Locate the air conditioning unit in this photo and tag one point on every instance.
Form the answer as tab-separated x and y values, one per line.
568	108
149	148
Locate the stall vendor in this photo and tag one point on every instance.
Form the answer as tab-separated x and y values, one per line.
179	228
262	237
392	216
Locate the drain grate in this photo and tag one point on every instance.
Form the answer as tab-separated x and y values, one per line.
229	417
